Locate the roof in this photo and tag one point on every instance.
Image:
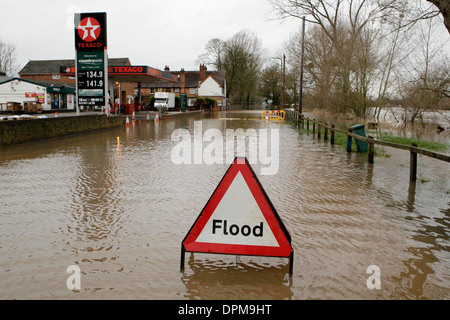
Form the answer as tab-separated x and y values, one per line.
4	78
192	80
53	66
50	67
51	86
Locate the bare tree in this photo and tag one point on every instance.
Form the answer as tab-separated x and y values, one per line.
214	54
270	87
427	80
8	59
444	8
242	61
341	52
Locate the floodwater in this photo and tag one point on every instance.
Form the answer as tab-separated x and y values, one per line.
120	210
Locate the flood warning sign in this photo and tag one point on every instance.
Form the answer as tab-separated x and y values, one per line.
239	219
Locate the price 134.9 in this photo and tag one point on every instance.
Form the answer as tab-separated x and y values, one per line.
95	74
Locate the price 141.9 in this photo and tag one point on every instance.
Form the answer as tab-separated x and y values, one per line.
95	83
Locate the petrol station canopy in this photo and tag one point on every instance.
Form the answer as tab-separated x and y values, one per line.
133	74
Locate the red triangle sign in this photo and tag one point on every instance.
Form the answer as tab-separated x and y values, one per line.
239	219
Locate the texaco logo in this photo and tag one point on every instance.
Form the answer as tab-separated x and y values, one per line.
89	29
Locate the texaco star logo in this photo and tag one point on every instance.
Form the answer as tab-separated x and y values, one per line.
89	29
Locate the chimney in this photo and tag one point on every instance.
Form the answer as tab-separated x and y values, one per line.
182	81
167	69
203	70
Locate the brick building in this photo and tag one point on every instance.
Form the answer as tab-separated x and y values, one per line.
202	83
49	71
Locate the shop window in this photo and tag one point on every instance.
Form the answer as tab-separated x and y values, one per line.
54	100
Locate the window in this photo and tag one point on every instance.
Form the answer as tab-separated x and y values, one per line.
152	90
177	90
192	91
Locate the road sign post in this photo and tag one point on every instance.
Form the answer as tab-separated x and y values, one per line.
91	60
239	219
183	102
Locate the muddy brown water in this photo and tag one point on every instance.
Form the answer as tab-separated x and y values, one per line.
120	212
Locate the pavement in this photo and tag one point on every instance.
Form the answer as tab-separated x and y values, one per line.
140	115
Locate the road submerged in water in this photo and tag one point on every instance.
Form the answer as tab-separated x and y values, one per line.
120	208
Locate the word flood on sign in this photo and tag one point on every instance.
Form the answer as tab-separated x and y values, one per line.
239	219
235	230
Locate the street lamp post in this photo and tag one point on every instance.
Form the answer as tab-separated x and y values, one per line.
283	77
300	103
284	81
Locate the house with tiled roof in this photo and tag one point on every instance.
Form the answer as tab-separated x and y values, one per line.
202	83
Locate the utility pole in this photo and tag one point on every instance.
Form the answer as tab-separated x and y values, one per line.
300	105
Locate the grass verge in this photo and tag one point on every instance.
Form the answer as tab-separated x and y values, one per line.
341	140
428	145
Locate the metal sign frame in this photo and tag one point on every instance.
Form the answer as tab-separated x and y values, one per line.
274	221
91	60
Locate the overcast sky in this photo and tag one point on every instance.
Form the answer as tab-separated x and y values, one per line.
149	32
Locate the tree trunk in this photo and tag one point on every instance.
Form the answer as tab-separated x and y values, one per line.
444	8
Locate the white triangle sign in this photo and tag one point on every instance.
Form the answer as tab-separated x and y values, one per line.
239	219
228	219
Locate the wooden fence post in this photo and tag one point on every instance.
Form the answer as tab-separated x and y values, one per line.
413	166
371	151
333	126
318	131
307	124
325	137
349	143
314	126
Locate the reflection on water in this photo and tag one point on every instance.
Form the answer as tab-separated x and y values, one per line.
214	278
120	211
